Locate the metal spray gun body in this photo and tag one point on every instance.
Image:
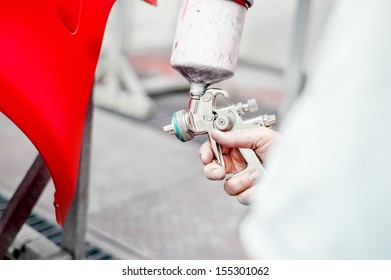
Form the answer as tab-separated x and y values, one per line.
205	52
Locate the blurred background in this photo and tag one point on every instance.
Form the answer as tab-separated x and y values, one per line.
148	197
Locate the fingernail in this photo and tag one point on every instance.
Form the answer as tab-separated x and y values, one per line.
255	176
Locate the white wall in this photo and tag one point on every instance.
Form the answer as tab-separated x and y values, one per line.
267	31
146	27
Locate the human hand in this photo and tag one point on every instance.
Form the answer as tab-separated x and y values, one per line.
261	140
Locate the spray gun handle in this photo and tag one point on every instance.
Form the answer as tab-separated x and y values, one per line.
252	160
253	163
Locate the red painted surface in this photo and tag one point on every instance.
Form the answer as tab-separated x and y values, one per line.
153	2
48	54
242	2
69	12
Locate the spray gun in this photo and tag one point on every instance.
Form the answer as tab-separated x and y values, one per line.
205	52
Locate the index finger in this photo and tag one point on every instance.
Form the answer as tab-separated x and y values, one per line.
247	138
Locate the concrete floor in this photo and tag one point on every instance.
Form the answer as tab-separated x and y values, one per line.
148	197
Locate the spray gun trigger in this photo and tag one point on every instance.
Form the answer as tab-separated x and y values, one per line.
216	148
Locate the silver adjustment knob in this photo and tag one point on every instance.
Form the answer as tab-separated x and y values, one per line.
268	120
251	105
225	122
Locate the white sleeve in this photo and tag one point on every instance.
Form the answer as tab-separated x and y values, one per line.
329	182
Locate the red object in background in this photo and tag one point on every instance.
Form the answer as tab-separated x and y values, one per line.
153	2
48	54
243	2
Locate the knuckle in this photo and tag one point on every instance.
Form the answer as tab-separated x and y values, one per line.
245	197
236	185
207	172
229	188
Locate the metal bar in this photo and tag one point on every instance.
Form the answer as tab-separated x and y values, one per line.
75	226
22	202
294	75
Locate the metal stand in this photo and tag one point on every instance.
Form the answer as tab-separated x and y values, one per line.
29	191
22	202
74	230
